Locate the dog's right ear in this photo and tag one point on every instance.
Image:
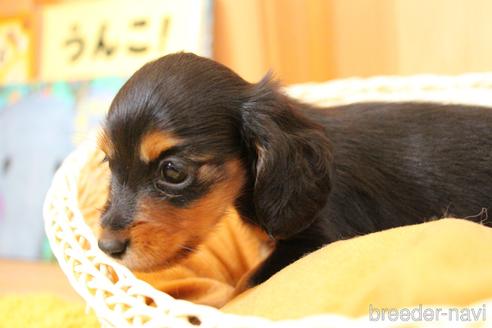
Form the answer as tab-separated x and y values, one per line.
289	160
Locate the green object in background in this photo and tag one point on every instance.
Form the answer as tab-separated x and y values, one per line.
46	253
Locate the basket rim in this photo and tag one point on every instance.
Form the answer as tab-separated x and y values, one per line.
66	235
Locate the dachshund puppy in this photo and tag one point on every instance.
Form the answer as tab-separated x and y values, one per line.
186	139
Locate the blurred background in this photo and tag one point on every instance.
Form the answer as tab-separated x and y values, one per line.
61	62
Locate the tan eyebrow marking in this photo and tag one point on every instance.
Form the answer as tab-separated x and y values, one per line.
104	143
154	143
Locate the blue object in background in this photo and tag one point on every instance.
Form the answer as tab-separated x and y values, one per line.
39	125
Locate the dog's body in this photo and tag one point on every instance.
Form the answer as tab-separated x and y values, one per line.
396	164
187	138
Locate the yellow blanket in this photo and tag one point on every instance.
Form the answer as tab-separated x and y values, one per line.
445	262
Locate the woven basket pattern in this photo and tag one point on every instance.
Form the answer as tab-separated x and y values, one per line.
119	299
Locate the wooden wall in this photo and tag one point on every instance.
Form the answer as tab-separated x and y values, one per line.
326	39
290	37
443	36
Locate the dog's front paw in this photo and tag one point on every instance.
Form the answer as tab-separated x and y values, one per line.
245	283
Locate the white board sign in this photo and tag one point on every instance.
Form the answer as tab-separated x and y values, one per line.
85	40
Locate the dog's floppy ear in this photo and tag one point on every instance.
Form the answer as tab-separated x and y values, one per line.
289	161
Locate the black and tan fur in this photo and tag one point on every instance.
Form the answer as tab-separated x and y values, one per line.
306	176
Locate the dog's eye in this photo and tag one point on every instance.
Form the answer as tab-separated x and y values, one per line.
173	173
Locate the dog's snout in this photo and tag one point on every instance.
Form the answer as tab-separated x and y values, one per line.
113	247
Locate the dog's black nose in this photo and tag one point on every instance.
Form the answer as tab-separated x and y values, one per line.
113	247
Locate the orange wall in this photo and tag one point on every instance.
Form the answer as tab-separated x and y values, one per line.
320	40
290	37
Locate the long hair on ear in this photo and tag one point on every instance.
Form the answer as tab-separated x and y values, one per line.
289	159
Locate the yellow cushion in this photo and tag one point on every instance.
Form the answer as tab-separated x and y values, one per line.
445	262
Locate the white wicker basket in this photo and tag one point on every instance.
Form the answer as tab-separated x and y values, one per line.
119	298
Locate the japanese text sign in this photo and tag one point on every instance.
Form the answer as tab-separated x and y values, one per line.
84	40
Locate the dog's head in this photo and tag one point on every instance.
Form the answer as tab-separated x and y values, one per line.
187	139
